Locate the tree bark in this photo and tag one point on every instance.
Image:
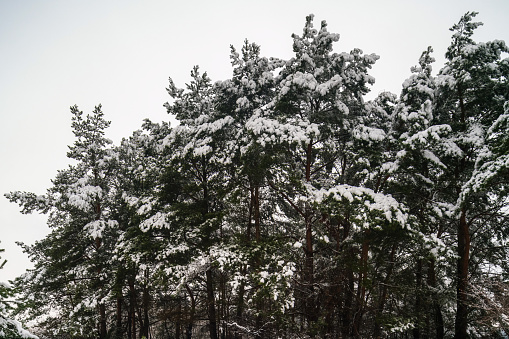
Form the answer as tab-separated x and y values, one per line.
211	307
257	212
311	311
189	329
146	305
361	289
384	292
461	323
418	299
348	280
102	326
118	330
132	311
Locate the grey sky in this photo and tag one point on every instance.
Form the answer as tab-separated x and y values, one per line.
54	54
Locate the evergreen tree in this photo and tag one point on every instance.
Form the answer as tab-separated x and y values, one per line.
472	92
285	205
9	328
71	278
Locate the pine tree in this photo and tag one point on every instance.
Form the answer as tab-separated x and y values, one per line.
473	90
317	119
9	328
200	210
71	276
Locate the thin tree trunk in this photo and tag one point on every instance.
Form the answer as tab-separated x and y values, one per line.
361	289
240	303
102	313
437	312
178	321
132	310
311	311
346	317
146	323
118	330
418	299
383	295
462	278
189	329
211	307
257	212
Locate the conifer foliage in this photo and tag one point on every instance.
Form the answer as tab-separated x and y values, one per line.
284	204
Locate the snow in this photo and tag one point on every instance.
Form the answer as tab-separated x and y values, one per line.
7	323
271	131
369	133
157	221
95	228
84	196
386	204
427	154
432	133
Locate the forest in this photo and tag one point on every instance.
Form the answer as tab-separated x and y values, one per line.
284	204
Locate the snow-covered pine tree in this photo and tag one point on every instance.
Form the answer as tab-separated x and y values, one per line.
9	328
142	226
262	296
416	168
68	287
472	92
194	144
316	118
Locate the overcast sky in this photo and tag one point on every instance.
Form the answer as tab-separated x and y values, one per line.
54	54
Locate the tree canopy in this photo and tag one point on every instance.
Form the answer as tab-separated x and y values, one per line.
285	204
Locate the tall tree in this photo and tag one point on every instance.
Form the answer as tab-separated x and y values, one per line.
70	263
9	328
472	94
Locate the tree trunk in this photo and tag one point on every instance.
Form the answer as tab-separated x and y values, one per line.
240	304
118	325
418	299
309	274
437	311
384	292
348	281
311	311
211	307
462	278
146	323
361	289
257	212
102	326
132	311
178	321
189	329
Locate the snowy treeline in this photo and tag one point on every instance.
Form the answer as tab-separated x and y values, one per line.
286	205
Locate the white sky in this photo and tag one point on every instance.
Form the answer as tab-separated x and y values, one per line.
54	54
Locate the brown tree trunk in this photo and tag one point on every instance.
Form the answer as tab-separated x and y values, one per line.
348	285
102	323
311	311
240	305
418	299
211	307
178	320
384	292
118	325
309	274
257	212
437	311
361	289
146	305
462	278
189	329
132	311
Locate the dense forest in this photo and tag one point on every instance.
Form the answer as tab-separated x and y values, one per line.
285	205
